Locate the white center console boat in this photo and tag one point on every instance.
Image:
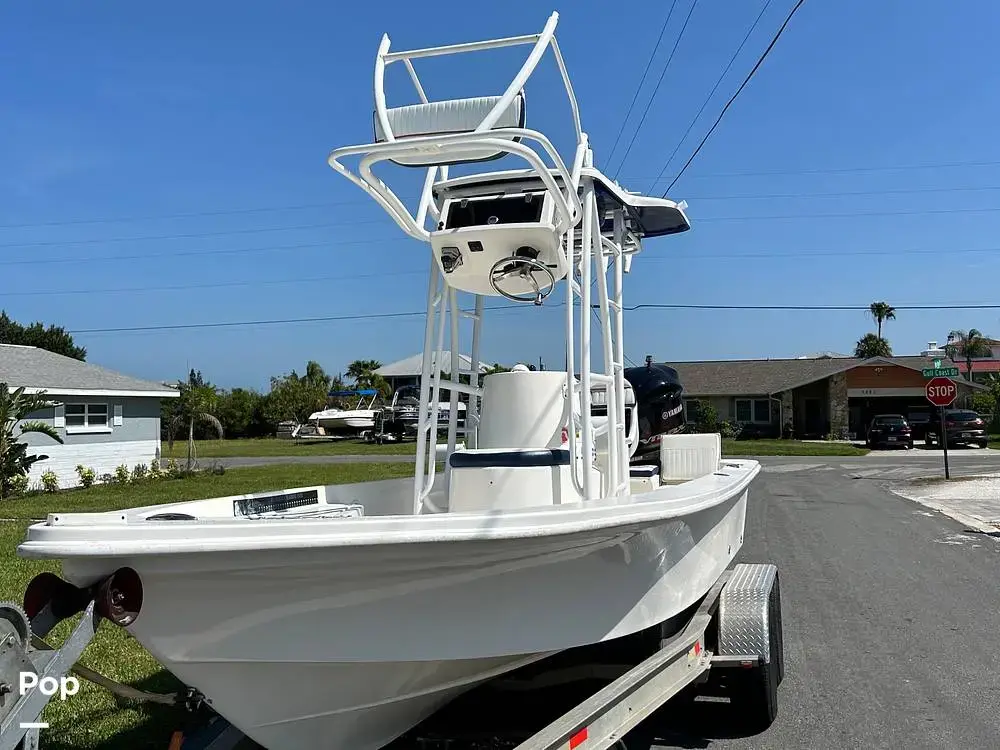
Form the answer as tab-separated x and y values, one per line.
352	612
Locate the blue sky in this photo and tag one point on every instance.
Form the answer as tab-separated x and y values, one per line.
202	130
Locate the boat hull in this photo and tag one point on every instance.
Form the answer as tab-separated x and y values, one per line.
360	419
367	641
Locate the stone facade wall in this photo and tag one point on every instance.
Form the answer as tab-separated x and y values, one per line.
787	411
838	405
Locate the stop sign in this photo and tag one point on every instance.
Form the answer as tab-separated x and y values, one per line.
941	391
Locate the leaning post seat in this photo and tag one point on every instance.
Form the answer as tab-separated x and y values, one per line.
689	456
522	459
450	116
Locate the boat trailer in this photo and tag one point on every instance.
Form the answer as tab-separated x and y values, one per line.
735	630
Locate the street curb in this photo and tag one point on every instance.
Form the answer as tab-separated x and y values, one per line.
975	524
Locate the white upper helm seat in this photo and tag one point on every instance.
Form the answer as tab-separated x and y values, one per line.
497	243
450	116
522	459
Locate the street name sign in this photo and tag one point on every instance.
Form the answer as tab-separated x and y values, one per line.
940	372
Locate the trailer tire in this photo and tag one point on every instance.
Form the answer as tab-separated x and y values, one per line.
757	687
776	628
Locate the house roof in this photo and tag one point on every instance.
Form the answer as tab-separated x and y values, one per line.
411	366
766	376
825	355
980	365
40	369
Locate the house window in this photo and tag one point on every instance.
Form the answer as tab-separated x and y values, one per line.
754	410
692	410
84	416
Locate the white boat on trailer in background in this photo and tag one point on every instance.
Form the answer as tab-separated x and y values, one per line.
336	421
354	612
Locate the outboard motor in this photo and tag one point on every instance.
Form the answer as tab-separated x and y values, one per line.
658	393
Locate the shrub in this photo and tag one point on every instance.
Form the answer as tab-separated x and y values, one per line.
702	416
729	430
121	474
139	472
86	474
155	472
50	482
18	484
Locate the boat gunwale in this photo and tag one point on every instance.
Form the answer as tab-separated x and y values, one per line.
139	538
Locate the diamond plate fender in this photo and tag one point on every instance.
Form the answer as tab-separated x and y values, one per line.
745	611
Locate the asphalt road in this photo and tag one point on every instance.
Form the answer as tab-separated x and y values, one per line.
890	616
916	458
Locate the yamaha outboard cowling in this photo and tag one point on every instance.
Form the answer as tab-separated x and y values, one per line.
658	393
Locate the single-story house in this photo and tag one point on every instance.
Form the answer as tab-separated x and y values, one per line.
104	418
816	397
407	371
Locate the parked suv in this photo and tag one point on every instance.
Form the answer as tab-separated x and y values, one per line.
962	426
889	430
918	421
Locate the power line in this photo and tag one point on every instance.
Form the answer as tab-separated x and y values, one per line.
806	255
638	88
795	254
367	201
656	89
800	255
212	285
413	314
710	95
845	170
194	235
333	244
188	215
178	253
841	194
732	99
854	215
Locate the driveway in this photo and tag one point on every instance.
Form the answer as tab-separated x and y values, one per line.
890	634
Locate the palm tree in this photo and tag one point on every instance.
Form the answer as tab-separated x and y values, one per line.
870	345
968	345
362	371
15	407
196	403
880	312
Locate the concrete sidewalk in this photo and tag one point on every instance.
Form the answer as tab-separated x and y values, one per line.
972	500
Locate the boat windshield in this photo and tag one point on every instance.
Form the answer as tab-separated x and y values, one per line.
408	394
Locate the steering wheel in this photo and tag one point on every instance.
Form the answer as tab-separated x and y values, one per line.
523	268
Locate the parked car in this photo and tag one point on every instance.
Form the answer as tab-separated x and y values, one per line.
918	421
890	430
963	427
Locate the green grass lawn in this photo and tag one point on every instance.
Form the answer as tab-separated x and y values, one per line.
94	718
789	448
251	448
255	447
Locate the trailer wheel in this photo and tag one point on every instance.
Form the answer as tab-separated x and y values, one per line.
756	688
